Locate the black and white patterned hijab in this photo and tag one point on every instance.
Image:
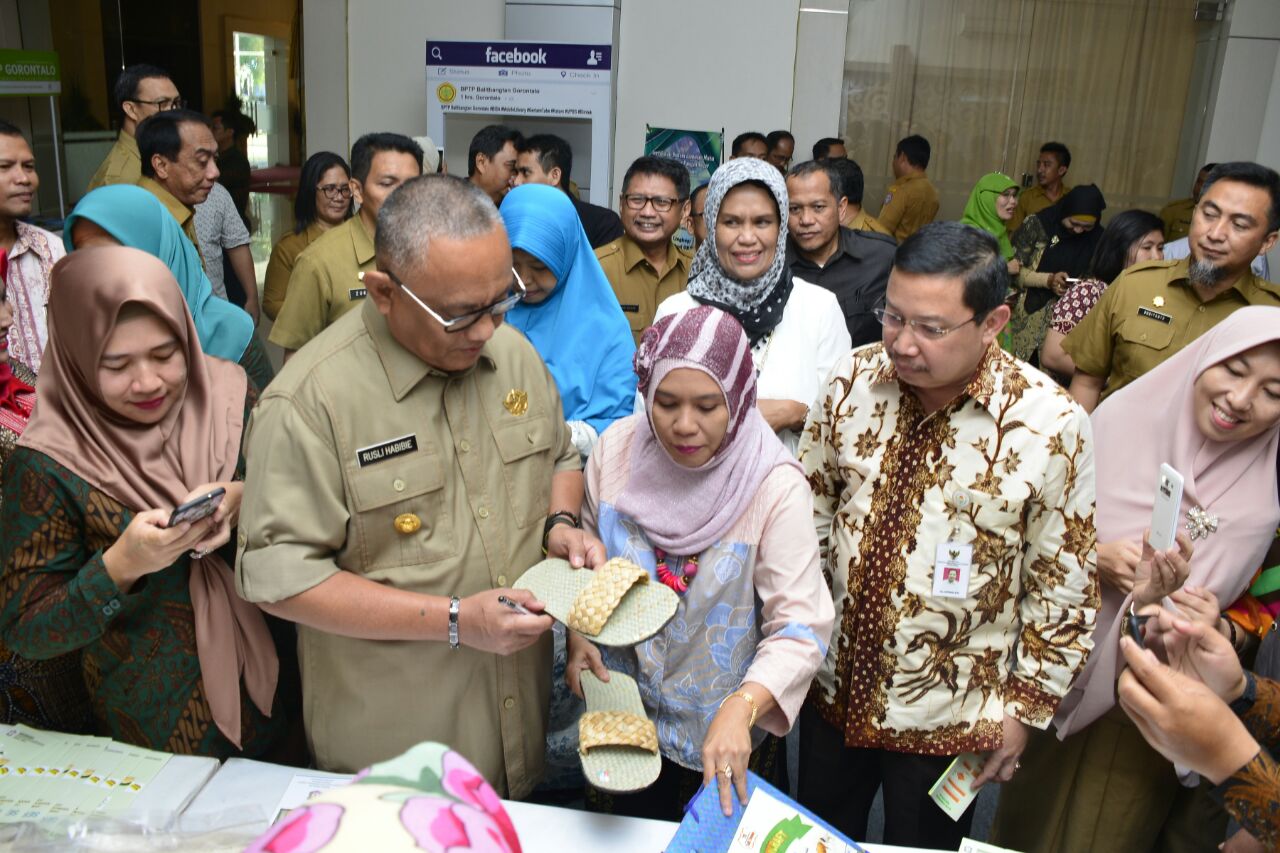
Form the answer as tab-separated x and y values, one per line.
756	304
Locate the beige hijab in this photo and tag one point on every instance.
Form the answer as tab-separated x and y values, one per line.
151	466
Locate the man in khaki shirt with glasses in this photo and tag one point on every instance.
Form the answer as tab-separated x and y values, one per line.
403	471
643	265
141	91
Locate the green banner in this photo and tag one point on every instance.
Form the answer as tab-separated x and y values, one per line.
29	72
699	151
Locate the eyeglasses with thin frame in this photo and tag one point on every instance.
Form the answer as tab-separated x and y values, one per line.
894	322
163	104
465	321
337	192
661	203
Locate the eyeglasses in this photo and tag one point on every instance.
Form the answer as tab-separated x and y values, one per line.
661	203
457	324
894	322
163	104
337	192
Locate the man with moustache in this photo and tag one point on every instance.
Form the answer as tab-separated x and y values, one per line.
854	265
953	497
31	251
1156	308
643	265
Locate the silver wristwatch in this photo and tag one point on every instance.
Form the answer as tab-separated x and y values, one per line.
454	606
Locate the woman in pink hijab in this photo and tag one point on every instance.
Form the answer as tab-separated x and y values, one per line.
700	492
1212	412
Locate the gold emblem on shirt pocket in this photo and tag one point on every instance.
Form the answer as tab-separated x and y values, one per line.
516	402
386	497
527	466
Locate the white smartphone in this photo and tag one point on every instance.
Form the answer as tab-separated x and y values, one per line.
1167	509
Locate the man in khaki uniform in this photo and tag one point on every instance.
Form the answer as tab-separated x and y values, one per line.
403	471
179	163
643	265
1156	308
328	279
140	91
1051	168
855	216
912	201
1176	215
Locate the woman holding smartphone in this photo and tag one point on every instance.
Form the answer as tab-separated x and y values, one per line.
1212	413
134	420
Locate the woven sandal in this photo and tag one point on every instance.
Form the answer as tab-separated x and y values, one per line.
618	744
615	605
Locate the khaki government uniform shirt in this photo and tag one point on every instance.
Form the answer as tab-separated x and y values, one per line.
637	285
1032	200
911	204
186	216
1176	216
283	259
363	459
1149	313
327	281
122	165
866	222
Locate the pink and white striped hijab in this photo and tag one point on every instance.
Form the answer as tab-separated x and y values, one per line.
683	510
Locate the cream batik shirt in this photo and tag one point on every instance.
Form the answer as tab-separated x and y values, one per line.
1006	468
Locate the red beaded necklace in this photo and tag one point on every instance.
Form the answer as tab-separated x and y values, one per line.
678	582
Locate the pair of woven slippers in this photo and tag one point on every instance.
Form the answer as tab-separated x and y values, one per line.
614	605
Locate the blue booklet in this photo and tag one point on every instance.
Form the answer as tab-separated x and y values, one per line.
772	822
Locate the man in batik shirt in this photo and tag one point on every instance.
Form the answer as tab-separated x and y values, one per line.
953	496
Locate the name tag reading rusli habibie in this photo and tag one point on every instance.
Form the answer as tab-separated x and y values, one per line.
1143	311
385	450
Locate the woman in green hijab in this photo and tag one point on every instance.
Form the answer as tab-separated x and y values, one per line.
990	206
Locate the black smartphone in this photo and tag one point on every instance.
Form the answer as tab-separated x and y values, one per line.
197	508
1135	626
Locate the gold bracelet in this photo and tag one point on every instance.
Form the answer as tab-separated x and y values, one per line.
755	708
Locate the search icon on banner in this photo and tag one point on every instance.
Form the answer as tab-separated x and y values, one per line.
437	54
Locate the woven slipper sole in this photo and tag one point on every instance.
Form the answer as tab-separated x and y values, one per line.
618	769
641	613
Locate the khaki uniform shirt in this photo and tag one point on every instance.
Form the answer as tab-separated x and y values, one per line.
1149	313
283	259
327	281
639	288
1032	200
122	165
910	204
866	222
363	459
186	216
1176	216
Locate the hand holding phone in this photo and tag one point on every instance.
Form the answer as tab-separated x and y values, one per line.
197	508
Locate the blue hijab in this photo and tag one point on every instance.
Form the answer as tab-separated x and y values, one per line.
579	330
139	220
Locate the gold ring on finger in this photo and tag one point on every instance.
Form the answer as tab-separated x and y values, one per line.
727	771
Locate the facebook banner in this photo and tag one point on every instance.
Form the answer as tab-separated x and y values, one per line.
510	54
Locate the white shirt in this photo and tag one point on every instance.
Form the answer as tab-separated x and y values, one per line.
219	226
792	362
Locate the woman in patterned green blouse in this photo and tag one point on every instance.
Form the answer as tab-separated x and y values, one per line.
135	419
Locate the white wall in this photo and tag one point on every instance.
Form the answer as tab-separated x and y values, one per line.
324	76
819	73
702	65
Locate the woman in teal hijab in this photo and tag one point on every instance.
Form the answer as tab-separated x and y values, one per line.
133	217
570	314
991	206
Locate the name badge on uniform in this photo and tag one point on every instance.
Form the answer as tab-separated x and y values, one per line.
357	293
384	450
1144	311
631	309
951	568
